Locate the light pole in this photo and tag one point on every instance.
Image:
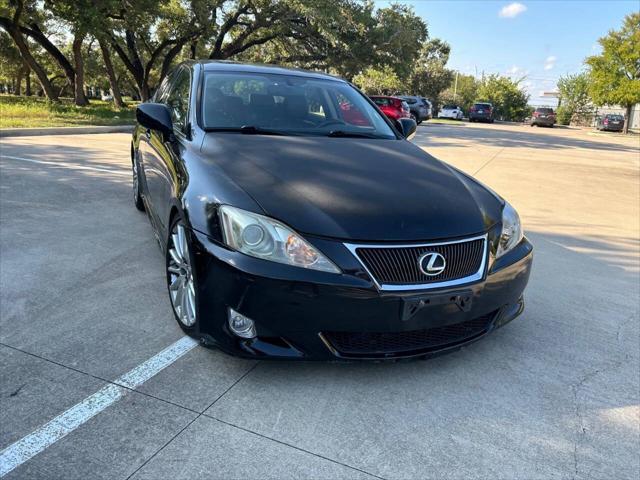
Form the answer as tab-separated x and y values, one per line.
455	87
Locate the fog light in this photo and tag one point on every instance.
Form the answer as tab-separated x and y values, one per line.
241	325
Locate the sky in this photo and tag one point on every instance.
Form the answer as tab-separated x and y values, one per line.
540	40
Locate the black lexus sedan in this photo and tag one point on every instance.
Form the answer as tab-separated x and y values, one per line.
299	223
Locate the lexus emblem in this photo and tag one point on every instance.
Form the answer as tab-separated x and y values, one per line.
432	264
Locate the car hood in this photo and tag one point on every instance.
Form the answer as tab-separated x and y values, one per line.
355	189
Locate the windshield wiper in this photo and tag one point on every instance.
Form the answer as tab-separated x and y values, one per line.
253	130
344	134
247	130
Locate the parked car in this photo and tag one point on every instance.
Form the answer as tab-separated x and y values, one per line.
451	111
543	117
351	114
289	232
611	122
429	106
417	108
481	112
393	107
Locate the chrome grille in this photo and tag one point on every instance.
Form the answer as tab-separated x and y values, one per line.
397	266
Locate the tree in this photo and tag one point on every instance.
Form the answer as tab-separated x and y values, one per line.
111	73
431	77
464	94
146	35
31	24
11	65
336	37
10	21
508	100
397	38
80	17
615	73
378	81
574	96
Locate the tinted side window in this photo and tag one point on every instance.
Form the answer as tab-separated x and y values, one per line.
178	99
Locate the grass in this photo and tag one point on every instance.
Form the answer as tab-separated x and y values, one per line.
24	112
444	121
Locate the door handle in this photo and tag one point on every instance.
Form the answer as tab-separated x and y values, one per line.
148	133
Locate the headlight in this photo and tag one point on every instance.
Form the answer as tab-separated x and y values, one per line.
511	230
265	238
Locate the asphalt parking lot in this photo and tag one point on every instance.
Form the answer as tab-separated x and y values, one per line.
83	307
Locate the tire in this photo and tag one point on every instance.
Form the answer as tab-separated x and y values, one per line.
181	276
413	117
135	173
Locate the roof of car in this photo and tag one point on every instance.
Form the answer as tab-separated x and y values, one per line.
230	66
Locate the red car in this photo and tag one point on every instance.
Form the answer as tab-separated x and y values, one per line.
351	114
394	108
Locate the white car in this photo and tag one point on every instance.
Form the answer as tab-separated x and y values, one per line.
453	112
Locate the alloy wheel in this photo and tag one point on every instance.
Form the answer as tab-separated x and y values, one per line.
180	275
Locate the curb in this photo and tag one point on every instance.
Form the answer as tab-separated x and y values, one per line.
24	132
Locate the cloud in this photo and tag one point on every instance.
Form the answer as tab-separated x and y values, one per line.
550	62
513	70
512	10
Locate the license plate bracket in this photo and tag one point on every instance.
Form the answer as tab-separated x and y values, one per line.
412	305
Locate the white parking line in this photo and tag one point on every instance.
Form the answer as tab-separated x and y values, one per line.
68	165
29	446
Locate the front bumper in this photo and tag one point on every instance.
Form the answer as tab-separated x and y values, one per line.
299	313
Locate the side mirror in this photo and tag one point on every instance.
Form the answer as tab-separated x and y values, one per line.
407	127
155	116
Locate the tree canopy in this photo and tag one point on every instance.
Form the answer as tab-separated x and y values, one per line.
615	73
431	76
508	99
133	45
378	81
464	93
574	97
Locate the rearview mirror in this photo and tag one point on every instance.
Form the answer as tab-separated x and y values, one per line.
407	127
155	116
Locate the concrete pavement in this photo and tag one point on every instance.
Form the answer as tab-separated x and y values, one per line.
555	394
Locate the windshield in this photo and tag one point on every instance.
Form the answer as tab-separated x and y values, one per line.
289	105
449	107
544	110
